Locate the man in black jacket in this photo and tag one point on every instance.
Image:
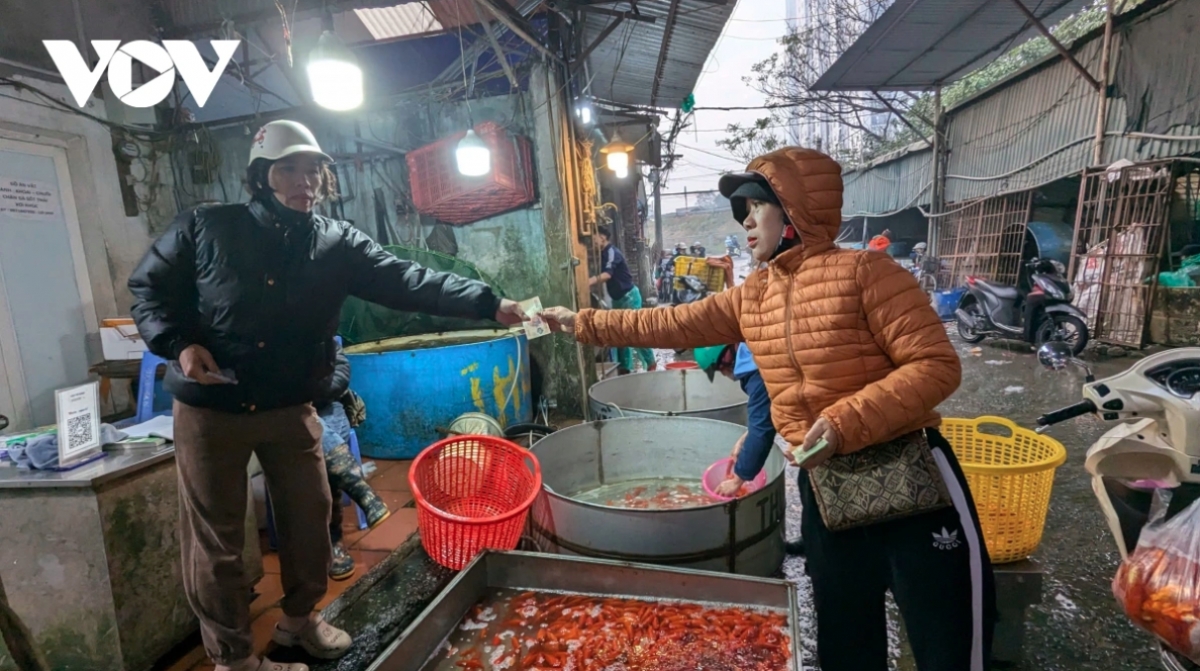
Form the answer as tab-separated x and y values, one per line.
244	300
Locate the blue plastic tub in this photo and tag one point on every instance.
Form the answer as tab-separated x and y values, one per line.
415	385
946	302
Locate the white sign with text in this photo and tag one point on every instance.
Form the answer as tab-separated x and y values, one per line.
27	199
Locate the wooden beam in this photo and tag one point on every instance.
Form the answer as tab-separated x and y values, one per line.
500	54
497	10
1037	23
672	16
608	30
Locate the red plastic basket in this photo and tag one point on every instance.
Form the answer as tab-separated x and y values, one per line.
440	191
472	493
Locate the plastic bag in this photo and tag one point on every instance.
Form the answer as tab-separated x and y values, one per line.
1158	585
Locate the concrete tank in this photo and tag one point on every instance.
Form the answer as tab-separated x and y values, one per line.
669	393
415	385
742	536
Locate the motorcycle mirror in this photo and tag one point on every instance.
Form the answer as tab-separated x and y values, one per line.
1055	355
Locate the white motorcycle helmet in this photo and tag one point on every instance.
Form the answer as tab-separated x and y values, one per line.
278	139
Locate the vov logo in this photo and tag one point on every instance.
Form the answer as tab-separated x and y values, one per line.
164	58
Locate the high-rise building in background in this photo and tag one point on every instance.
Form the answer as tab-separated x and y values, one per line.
827	33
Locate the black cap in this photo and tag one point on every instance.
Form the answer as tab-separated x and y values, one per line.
743	186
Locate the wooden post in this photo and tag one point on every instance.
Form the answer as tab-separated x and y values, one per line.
938	174
1102	98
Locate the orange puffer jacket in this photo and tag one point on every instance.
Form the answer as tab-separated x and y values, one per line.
843	334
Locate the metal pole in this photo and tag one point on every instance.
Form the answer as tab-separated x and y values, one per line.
1102	98
658	225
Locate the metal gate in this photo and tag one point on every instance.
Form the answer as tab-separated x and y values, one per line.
1120	230
983	239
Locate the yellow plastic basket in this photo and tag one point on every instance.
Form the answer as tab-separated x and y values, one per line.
1010	471
713	277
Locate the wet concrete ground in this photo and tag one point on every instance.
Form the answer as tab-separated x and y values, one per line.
1078	625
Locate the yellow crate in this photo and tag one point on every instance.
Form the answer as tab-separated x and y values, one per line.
713	277
1010	473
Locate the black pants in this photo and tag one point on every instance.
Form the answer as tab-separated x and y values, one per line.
936	567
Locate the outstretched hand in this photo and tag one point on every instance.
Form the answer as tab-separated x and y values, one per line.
510	313
561	320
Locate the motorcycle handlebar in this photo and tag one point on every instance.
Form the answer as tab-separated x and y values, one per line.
1069	412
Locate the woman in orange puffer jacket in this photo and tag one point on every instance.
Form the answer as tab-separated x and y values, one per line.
851	351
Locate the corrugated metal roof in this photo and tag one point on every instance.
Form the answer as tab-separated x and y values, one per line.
409	19
1040	128
919	44
889	186
624	66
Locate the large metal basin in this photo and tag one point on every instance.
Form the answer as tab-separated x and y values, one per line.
669	393
742	536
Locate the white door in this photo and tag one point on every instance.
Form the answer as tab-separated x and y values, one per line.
46	305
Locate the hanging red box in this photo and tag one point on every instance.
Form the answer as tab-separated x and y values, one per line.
440	191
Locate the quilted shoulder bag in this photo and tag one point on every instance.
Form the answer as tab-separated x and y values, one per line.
883	482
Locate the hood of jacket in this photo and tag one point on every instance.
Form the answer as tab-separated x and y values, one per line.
809	187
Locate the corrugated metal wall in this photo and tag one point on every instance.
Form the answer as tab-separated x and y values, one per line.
1040	128
889	187
1034	130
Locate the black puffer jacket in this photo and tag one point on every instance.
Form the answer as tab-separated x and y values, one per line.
264	295
335	386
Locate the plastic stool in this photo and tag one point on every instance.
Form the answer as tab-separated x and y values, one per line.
147	376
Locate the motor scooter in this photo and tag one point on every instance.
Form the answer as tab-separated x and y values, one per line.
989	309
688	289
1154	443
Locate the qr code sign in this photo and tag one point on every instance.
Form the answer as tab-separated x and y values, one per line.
79	431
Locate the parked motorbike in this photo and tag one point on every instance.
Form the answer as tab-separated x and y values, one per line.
1154	443
689	289
733	250
988	309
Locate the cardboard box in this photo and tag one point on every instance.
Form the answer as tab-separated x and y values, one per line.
120	340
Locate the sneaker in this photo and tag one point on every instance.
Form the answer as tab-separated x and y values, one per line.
343	564
318	638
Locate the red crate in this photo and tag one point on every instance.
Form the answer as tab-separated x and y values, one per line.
441	192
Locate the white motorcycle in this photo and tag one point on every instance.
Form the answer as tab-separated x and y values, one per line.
1154	443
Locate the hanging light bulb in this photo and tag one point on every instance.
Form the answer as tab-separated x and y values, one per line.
473	156
616	155
334	75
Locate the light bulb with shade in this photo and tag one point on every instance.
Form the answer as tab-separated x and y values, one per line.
334	75
618	162
473	156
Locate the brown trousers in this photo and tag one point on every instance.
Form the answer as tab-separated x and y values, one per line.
212	451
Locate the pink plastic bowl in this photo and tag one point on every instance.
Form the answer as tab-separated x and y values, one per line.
715	475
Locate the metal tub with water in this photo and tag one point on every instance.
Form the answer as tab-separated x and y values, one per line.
418	647
743	536
669	393
416	385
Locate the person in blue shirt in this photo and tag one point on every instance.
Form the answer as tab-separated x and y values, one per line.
618	280
752	449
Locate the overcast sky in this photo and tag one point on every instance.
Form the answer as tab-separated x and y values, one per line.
749	37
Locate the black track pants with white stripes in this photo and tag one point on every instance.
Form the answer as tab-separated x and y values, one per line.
936	567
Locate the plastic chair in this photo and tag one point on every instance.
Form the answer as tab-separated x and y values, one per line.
147	377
